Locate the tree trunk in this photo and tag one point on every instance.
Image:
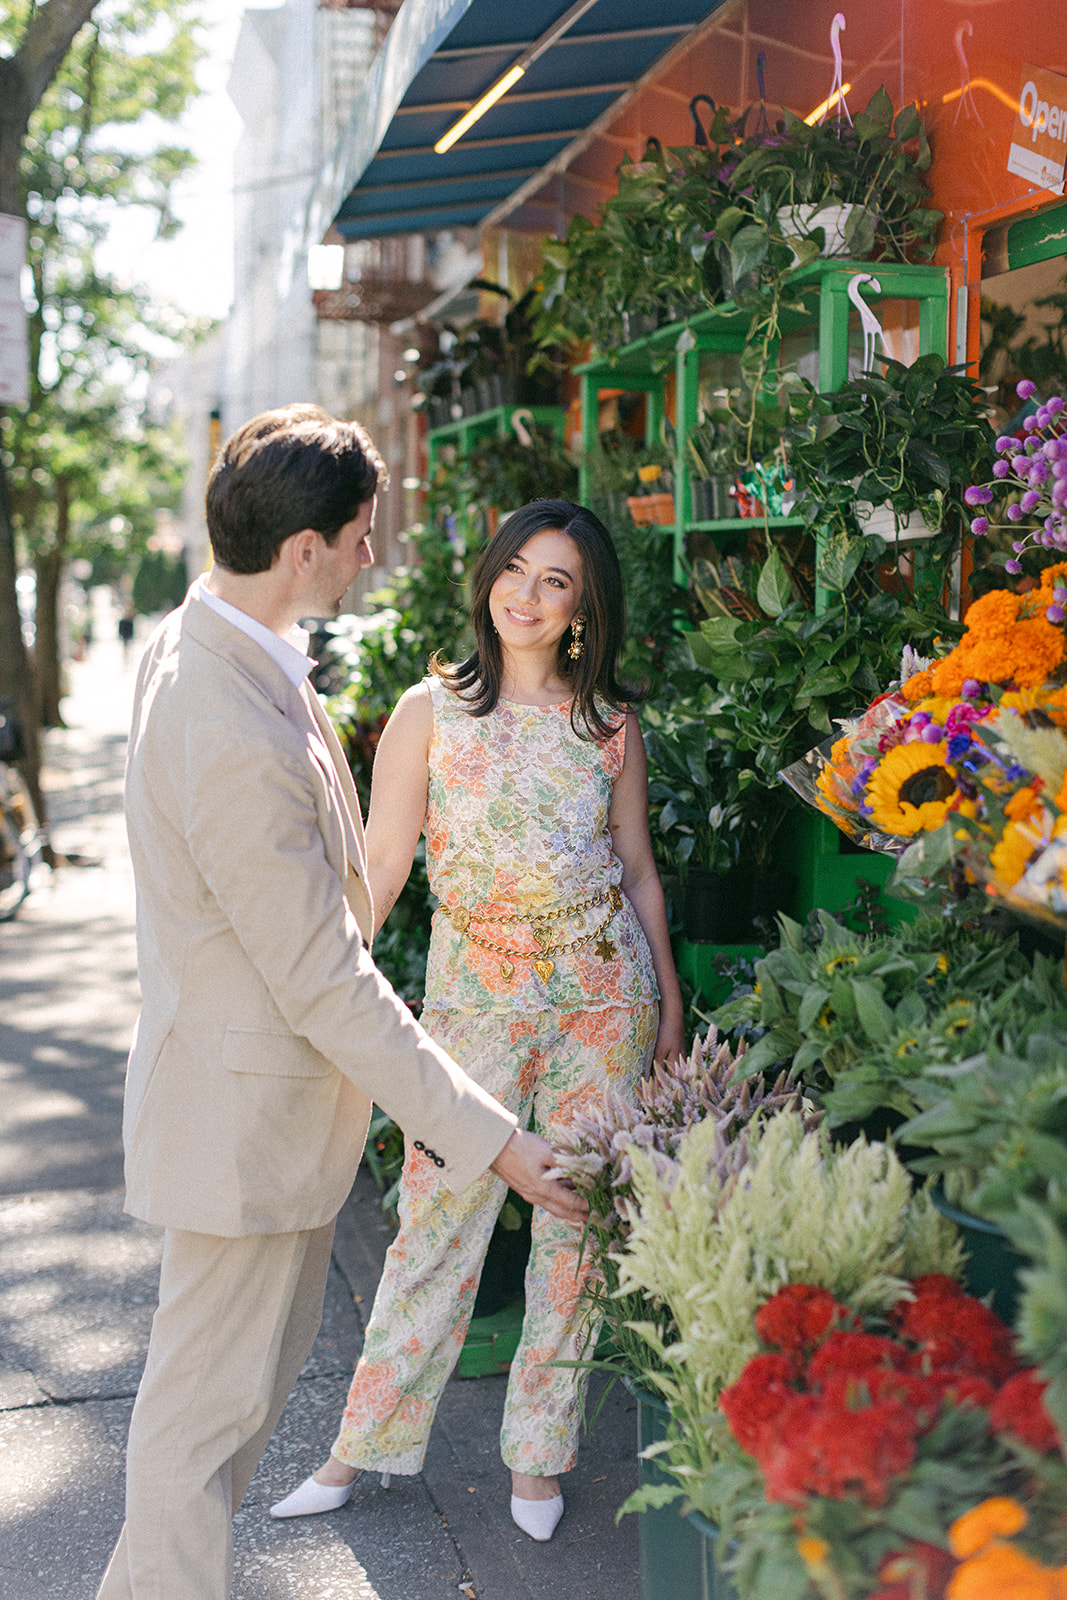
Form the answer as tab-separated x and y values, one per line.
16	669
49	570
46	639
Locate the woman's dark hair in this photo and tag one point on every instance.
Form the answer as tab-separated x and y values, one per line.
293	468
592	677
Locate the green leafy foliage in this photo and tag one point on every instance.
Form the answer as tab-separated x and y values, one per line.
864	1020
912	437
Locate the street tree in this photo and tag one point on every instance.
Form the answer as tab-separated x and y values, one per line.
88	141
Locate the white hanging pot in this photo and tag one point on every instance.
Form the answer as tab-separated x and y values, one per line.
881	520
800	222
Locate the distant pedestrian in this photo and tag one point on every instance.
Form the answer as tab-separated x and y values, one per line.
126	632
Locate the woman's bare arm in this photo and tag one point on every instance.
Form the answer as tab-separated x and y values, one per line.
628	821
398	797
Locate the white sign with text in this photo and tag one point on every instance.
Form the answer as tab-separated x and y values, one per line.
14	341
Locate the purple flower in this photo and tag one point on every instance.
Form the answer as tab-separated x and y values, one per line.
1054	613
1001	469
932	733
1015	513
970	689
1006	443
1024	388
1018	545
1055	405
958	746
1030	500
1020	465
977	494
979	525
1013	567
1030	422
920	719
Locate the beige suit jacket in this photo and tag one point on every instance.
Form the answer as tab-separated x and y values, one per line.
266	1030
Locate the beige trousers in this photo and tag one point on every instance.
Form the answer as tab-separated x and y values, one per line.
236	1320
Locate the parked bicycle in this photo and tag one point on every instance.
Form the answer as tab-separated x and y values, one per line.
20	841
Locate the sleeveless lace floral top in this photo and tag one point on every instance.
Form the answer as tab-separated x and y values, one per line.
517	829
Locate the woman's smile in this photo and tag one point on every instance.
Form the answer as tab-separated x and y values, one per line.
539	593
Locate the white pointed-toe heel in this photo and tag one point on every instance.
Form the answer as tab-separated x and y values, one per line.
311	1497
538	1518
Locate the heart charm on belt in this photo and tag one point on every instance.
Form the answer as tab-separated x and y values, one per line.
544	968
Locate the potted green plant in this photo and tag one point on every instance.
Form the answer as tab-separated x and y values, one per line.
872	167
906	441
695	814
595	1151
845	1223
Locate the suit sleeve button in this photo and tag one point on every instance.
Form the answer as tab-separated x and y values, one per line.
439	1161
419	1145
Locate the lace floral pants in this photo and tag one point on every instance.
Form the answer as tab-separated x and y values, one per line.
552	1065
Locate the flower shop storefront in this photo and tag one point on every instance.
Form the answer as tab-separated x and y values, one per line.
789	310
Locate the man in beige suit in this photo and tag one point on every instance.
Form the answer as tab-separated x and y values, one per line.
266	1030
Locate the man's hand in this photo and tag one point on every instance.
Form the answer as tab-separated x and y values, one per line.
523	1164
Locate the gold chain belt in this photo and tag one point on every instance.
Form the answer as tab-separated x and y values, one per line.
540	926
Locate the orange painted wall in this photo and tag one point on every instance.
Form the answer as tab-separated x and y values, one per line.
960	59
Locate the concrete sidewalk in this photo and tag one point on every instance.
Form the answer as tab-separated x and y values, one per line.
78	1279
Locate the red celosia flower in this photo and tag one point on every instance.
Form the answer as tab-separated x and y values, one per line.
931	1283
1019	1411
957	1331
924	1397
755	1405
840	1452
797	1316
853	1352
964	1388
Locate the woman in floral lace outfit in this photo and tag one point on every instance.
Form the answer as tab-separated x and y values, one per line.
550	976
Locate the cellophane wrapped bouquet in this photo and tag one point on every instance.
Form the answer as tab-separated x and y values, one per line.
961	770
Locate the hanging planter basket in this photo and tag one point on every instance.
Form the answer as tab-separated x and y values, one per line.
882	521
800	222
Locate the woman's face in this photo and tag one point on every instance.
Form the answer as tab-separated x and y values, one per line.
539	592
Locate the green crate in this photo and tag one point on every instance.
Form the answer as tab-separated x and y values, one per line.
491	1342
828	869
696	963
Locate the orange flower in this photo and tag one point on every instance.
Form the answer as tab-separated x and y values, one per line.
1011	855
812	1551
917	687
1023	803
1004	1573
1057	573
995	1518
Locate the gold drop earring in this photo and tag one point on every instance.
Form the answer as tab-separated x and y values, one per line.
577	643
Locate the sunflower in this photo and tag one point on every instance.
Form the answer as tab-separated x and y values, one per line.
910	789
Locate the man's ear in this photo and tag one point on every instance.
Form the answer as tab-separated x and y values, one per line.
300	550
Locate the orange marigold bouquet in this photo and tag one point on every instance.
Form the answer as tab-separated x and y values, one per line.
965	761
892	1462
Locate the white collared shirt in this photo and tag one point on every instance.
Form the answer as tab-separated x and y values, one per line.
288	651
